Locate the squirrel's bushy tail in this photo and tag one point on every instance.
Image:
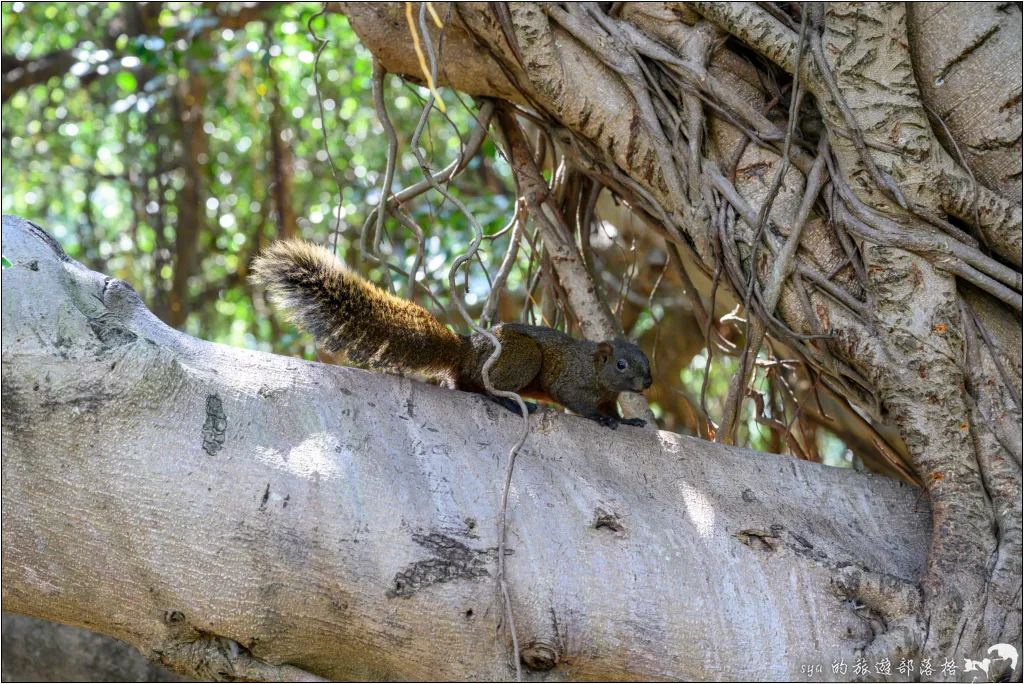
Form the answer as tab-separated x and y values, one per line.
348	314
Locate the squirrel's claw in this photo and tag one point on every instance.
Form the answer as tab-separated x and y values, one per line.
614	422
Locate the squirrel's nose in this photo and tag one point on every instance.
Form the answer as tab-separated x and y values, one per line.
648	381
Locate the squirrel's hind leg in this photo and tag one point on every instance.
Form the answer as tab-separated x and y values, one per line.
511	405
518	365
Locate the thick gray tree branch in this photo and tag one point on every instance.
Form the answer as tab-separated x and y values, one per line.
190	497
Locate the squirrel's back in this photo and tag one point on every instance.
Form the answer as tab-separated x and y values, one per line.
347	314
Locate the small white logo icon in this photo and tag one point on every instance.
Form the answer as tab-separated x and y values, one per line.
1001	651
1005	652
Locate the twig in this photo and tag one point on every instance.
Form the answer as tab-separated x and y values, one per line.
766	205
754	336
323	119
719	261
978	416
675	259
507	263
430	75
799	410
447	173
880	443
409	222
389	171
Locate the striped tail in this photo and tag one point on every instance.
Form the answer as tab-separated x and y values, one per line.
347	314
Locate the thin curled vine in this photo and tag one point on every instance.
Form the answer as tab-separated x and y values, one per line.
459	262
369	249
322	43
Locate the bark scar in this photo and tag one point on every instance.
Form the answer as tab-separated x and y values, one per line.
215	426
452	560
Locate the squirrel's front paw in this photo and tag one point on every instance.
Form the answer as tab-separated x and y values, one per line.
608	421
635	422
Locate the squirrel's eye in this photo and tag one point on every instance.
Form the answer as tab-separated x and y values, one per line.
621	365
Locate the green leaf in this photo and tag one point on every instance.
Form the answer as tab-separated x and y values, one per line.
6	262
126	81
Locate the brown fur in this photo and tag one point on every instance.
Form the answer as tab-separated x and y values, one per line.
349	315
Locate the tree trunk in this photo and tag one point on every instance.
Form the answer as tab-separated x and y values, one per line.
237	514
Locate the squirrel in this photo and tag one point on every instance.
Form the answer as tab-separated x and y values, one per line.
351	316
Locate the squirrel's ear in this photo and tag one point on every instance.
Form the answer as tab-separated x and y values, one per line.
603	352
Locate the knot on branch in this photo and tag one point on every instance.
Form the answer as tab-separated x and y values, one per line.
539	655
212	658
124	302
891	597
111	331
215	427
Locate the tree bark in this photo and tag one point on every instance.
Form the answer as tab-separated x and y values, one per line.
227	511
967	60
